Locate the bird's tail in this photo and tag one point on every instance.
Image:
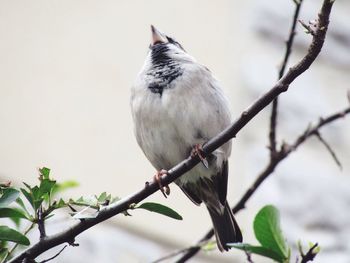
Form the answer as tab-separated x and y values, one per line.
226	228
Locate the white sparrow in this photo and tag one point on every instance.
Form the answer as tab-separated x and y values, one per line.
177	105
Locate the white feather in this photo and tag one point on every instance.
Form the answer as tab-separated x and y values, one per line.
191	110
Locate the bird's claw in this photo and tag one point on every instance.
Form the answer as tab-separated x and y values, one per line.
164	189
198	151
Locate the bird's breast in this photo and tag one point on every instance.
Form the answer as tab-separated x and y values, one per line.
169	124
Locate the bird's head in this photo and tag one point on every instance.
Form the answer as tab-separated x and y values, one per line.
165	50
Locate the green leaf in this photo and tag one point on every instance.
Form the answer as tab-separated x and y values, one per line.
160	209
3	252
102	197
61	203
268	231
61	187
45	187
37	197
9	195
28	196
12	212
45	172
19	201
8	234
263	251
85	201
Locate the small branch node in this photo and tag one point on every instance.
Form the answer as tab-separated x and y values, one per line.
310	255
73	244
309	29
283	87
286	148
244	114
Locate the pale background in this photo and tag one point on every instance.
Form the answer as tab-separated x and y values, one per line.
66	68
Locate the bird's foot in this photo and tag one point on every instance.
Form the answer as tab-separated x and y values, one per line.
158	178
197	150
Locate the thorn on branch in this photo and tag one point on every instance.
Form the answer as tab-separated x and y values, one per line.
329	148
72	208
72	243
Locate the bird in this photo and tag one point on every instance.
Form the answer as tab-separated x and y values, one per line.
177	105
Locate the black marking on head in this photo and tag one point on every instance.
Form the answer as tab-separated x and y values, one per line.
159	54
164	69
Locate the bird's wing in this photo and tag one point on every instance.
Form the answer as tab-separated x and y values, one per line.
211	190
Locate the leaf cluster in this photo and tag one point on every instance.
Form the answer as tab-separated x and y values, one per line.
31	204
268	232
35	204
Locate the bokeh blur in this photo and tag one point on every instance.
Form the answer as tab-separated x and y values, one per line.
66	68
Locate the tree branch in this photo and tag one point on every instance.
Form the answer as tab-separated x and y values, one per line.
280	155
282	85
274	111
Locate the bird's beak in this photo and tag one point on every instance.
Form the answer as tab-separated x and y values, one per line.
157	36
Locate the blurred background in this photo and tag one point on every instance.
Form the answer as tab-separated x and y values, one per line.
66	68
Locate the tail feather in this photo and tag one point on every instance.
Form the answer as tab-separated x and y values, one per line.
226	228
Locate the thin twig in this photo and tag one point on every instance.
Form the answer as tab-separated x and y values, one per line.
59	252
184	166
274	110
330	150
